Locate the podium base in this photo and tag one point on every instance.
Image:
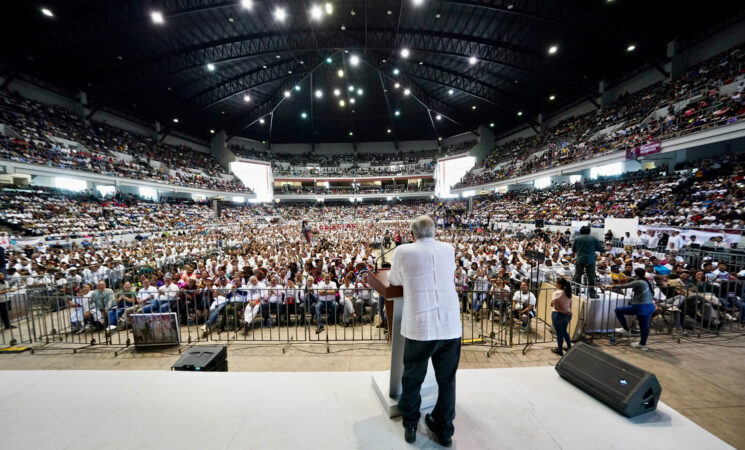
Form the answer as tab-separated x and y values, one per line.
381	384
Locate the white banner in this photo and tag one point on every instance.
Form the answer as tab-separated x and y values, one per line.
701	235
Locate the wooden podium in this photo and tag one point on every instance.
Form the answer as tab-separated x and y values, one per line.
388	385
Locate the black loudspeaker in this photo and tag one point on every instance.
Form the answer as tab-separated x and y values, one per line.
204	358
626	388
539	223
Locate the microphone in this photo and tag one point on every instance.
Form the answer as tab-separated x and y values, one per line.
382	255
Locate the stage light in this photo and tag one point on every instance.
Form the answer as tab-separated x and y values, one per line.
404	52
329	8
262	121
157	17
287	94
407	92
360	92
631	48
175	120
397	113
211	67
552	98
553	49
340	73
472	60
342	103
247	4
354	60
246	98
451	92
319	93
396	72
519	113
297	88
280	14
315	12
438	117
337	92
47	12
304	115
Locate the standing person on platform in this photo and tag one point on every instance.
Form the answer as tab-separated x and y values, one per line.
431	326
641	305
585	247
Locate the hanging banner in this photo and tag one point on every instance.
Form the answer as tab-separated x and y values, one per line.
643	150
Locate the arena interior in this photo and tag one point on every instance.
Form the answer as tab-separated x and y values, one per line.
185	173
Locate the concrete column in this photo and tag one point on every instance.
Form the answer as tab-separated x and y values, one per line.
81	108
605	97
678	59
485	144
219	151
156	133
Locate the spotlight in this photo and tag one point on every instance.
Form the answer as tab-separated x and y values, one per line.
287	94
340	73
407	92
404	52
354	60
246	98
396	72
47	12
316	12
553	49
319	93
211	67
247	4
280	14
337	92
157	17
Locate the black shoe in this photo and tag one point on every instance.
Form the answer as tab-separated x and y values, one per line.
319	329
445	441
558	351
410	435
9	327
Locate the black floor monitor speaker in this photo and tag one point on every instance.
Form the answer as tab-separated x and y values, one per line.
626	388
204	358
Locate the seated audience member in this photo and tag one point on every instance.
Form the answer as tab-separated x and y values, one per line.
523	306
326	301
119	305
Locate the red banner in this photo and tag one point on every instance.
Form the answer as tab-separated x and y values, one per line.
643	150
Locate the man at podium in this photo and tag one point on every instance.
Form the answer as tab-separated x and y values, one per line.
431	326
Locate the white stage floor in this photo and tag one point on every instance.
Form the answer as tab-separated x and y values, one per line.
526	408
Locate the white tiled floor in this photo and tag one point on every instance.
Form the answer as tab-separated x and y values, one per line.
522	408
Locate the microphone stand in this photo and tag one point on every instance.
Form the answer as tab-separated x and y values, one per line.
382	255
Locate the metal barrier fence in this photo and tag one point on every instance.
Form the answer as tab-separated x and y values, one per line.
495	316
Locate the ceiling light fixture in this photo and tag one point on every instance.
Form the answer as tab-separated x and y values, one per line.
552	98
438	117
407	91
451	92
360	91
342	103
553	49
262	121
157	17
351	134
246	98
297	87
337	92
280	14
354	60
304	115
315	12
329	8
491	125
396	71
389	131
175	120
211	67
287	94
397	85
472	60
212	131
340	73
329	60
319	93
351	88
397	113
519	113
247	4
473	107
631	48
404	52
47	12
352	100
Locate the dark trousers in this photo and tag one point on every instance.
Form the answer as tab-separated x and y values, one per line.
4	314
589	269
561	323
643	312
445	356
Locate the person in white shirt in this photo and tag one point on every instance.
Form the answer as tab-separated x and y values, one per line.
523	306
168	295
292	297
272	301
147	297
365	297
431	326
347	297
254	293
326	301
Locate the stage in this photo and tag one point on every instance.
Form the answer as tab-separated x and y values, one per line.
527	408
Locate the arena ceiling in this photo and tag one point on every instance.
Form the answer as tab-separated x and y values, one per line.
217	64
